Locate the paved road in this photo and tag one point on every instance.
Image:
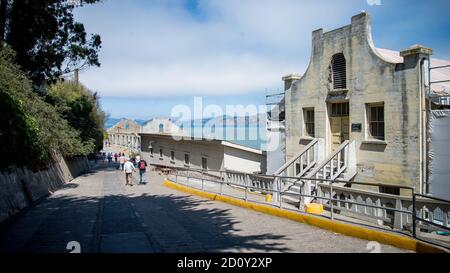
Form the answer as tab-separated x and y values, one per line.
103	215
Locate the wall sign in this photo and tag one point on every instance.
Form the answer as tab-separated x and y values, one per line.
357	127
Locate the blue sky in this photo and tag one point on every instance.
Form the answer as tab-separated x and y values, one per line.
161	53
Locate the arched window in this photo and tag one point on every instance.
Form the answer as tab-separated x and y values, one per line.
161	128
339	71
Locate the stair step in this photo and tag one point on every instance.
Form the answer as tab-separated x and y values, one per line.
291	200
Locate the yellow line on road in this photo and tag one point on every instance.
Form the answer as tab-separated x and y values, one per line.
360	232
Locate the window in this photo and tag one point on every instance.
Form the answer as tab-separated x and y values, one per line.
340	109
161	128
339	72
161	153
187	160
309	117
376	121
204	164
172	156
151	151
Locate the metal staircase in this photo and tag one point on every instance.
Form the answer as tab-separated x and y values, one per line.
339	166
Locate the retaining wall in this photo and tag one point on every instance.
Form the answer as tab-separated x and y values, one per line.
21	187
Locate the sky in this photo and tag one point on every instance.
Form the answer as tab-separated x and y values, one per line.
158	54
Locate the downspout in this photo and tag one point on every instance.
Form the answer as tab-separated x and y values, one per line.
423	129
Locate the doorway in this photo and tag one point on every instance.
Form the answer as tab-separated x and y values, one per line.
340	124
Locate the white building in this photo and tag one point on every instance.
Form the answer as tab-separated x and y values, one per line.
209	155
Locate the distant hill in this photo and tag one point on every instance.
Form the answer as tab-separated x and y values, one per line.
229	121
110	122
219	121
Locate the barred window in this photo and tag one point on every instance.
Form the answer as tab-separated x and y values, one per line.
339	71
161	153
340	109
172	156
376	121
187	160
310	126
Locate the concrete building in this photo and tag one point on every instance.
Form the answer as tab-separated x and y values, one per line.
126	134
359	112
162	126
209	155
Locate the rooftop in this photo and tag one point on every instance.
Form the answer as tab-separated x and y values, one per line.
443	74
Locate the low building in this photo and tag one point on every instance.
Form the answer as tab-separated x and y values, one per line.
126	134
203	154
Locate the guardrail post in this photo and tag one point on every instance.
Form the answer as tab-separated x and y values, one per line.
331	201
414	215
203	182
222	180
246	181
188	177
280	196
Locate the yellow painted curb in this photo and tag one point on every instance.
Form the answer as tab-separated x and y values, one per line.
314	209
334	226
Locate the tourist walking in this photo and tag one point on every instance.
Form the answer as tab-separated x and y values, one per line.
129	169
142	170
116	157
122	160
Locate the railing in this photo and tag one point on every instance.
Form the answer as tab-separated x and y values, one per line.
392	212
335	164
331	168
303	161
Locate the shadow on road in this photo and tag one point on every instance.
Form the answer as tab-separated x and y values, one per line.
163	224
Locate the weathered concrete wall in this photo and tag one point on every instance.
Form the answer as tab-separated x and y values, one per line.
21	187
370	79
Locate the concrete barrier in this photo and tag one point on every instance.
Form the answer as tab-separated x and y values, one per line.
22	187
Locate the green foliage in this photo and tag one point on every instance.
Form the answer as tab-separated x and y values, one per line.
47	39
31	130
80	107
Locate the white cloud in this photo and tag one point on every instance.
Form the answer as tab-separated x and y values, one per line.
157	48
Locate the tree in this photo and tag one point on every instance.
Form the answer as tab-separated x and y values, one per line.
31	130
47	39
80	107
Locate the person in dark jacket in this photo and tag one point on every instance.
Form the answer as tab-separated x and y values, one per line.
142	166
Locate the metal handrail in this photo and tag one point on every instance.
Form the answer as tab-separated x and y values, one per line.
249	187
329	159
295	158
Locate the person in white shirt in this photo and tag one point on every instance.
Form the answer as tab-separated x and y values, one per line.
122	160
128	169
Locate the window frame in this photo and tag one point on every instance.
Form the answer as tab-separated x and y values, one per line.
172	156
309	123
333	76
377	122
204	163
188	161
341	109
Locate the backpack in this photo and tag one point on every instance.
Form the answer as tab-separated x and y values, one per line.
142	165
